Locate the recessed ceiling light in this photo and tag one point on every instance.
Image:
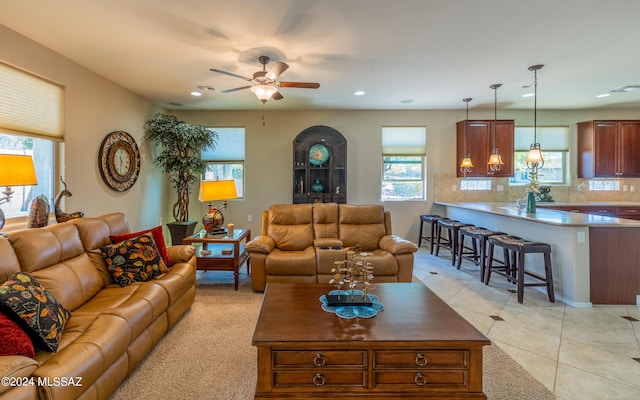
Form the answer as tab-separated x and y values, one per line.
359	93
195	93
603	95
528	95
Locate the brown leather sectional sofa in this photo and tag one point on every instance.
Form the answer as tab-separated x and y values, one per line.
111	328
301	242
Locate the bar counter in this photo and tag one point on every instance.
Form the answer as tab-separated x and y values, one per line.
596	259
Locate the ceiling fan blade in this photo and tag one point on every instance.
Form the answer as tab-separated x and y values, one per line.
303	85
277	96
230	74
277	69
236	89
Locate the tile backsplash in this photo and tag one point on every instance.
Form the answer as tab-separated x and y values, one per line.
448	188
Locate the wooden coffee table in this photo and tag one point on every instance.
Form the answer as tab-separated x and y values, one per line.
416	348
210	255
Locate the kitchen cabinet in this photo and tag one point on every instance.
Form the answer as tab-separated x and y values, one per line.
477	136
608	149
319	166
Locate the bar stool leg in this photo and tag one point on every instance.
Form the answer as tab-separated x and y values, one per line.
483	258
487	274
420	233
453	245
438	235
549	275
520	271
433	231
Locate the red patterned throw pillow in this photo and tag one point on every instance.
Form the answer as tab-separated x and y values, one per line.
13	340
134	260
34	308
158	238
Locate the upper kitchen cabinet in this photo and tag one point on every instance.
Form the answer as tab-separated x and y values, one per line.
478	135
608	149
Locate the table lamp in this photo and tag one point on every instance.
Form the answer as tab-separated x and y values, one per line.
15	170
211	191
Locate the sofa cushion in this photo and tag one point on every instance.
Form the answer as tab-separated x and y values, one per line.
291	226
14	341
362	225
9	264
158	238
291	262
325	220
134	260
22	296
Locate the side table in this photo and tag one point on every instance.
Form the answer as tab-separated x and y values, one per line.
227	253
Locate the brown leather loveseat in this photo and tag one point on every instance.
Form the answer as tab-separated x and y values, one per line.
301	242
111	328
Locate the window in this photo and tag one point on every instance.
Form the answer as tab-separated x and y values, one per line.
42	151
227	160
554	141
32	123
403	156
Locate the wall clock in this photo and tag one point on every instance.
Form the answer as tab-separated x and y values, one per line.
119	161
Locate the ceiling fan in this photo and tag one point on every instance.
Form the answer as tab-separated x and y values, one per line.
266	84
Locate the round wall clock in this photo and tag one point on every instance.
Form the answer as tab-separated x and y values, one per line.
318	154
119	161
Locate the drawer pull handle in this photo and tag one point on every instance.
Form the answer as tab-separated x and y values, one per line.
318	380
420	379
421	360
319	360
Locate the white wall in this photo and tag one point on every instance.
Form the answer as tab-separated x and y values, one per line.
94	107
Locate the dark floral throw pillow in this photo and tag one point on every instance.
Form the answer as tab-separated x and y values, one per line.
134	260
42	317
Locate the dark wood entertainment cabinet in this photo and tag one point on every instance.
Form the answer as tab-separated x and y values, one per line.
416	348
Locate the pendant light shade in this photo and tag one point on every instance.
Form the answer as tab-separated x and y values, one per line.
534	158
263	92
495	161
466	165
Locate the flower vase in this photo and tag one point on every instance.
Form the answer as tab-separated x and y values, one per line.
317	186
531	203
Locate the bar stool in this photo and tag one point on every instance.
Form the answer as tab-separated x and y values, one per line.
431	220
478	236
451	241
515	270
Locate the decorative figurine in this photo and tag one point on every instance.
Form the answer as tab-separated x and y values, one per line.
39	212
60	215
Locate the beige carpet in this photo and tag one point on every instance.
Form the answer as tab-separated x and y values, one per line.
208	354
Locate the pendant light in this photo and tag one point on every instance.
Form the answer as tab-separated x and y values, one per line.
466	165
534	158
495	161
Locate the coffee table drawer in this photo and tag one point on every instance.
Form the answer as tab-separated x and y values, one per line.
314	378
425	359
422	378
319	358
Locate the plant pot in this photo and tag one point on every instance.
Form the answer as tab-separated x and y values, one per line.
180	230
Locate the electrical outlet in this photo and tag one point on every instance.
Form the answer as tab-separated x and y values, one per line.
249	217
632	188
582	237
500	188
454	188
625	188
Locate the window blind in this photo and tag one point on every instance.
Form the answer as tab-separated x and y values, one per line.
30	105
404	140
229	145
551	138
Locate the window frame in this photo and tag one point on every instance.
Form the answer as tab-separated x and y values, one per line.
213	162
559	147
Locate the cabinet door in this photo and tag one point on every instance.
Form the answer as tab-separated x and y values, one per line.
474	136
605	149
504	143
629	165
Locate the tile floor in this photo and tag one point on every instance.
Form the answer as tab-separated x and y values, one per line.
577	353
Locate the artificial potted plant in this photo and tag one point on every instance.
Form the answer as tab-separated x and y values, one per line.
180	157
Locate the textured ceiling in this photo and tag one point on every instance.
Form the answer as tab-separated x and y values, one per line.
409	54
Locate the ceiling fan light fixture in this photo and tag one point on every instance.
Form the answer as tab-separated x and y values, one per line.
263	92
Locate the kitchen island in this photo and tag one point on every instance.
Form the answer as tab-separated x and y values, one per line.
596	258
